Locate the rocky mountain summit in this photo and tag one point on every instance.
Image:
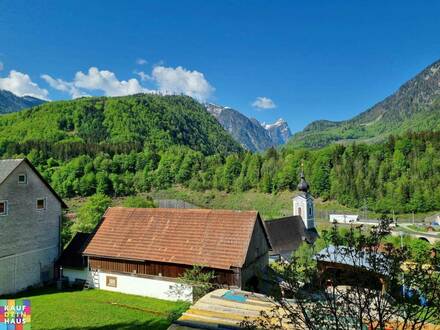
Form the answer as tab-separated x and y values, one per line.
10	102
279	131
249	132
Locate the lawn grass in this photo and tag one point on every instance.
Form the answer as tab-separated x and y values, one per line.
97	310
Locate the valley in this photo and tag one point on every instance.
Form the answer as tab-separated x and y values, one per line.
219	165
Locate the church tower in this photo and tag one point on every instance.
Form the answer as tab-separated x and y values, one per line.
303	205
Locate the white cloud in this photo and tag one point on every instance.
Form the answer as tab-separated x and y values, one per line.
1	66
21	84
263	103
181	81
144	76
63	86
168	80
107	82
141	61
96	80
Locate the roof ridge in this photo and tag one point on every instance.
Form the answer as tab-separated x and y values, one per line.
185	209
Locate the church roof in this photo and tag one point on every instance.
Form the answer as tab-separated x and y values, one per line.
287	234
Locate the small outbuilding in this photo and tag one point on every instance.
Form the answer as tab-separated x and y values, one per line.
72	262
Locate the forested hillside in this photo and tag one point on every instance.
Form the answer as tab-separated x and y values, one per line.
414	106
127	145
401	174
67	128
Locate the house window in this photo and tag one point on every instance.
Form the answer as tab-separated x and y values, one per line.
310	211
3	208
111	281
22	179
41	203
299	211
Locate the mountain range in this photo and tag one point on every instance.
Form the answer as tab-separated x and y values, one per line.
249	132
415	106
10	102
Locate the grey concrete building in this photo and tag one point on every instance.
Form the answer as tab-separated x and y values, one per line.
30	225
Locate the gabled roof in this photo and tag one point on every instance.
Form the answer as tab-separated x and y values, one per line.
213	238
287	234
72	255
7	166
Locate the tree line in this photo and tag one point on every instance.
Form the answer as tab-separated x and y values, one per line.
400	174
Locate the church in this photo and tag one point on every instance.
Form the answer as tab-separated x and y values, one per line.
288	233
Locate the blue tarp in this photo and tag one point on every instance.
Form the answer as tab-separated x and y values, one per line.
232	295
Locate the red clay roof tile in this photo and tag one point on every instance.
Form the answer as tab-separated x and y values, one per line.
213	238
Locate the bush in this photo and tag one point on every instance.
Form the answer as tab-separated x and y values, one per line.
91	213
139	202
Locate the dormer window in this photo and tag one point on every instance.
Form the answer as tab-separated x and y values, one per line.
3	208
22	179
41	204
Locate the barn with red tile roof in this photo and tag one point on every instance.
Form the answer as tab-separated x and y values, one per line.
160	244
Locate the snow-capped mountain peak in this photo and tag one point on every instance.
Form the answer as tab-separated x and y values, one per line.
249	132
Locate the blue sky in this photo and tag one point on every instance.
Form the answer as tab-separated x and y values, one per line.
305	60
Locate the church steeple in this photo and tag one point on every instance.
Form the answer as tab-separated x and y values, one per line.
303	185
303	205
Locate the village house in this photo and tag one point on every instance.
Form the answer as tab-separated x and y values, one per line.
288	233
30	225
144	251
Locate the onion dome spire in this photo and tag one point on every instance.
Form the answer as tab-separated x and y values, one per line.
303	185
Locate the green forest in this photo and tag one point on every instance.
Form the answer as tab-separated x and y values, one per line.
127	145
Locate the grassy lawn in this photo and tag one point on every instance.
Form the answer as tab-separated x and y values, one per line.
97	310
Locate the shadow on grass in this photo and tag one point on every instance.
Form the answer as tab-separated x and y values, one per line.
37	292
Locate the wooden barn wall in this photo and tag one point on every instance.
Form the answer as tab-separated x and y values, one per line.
223	277
257	258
